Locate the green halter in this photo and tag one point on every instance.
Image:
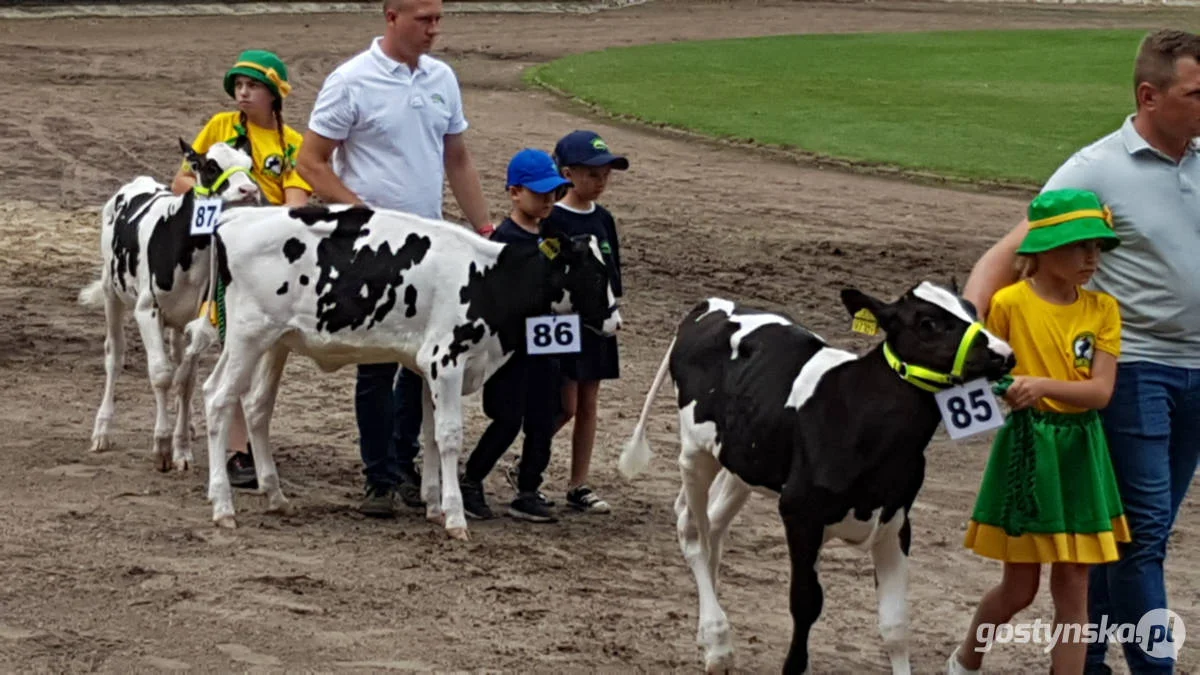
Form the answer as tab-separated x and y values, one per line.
928	379
208	191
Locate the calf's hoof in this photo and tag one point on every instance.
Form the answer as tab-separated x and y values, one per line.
183	464
459	533
226	522
100	444
281	506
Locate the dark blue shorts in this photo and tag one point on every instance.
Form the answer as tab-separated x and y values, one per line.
597	360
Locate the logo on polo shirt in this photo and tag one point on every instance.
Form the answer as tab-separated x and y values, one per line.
437	98
273	166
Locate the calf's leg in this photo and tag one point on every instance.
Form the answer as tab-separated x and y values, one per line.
161	372
445	399
258	404
114	362
804	537
431	487
698	468
889	554
225	386
181	444
728	494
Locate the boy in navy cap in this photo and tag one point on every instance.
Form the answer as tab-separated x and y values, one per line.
586	160
525	392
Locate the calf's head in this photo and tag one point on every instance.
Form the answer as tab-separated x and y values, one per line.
578	269
935	334
224	171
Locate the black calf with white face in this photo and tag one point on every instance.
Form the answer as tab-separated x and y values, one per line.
579	269
926	327
224	171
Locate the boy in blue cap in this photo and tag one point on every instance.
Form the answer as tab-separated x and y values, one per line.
586	160
524	393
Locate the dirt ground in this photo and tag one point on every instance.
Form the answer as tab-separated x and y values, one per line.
109	565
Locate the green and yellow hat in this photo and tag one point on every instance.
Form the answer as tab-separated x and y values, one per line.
263	66
1061	217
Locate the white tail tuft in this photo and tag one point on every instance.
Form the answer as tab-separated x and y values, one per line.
199	335
92	295
636	455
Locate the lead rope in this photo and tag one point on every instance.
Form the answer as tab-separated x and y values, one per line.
1020	496
216	292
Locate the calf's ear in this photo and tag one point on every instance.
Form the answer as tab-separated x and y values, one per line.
190	154
856	301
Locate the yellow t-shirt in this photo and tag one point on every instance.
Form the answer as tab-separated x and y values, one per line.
1056	341
274	167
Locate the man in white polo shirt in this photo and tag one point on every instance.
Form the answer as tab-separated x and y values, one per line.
1148	173
385	131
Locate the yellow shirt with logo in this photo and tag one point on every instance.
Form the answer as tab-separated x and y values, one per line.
274	167
1056	341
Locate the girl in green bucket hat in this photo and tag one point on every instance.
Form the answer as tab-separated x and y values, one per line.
258	83
1048	494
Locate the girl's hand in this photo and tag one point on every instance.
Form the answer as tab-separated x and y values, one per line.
1025	392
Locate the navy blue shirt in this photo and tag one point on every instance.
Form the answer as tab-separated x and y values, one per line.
508	232
599	223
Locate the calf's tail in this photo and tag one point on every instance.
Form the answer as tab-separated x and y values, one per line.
636	455
92	295
199	334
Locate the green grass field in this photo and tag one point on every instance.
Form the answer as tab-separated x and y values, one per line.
992	105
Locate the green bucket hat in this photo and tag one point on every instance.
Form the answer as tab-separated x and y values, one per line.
1061	217
263	66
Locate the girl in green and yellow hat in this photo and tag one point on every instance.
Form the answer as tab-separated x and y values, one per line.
258	83
1048	493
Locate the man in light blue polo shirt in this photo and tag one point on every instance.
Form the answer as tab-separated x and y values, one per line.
1148	173
385	131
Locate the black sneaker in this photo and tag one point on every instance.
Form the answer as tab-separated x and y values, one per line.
474	503
583	499
409	488
512	473
527	506
379	502
241	471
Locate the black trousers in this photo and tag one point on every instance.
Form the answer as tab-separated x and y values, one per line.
525	394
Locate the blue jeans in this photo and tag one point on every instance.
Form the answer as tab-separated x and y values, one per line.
1153	429
389	421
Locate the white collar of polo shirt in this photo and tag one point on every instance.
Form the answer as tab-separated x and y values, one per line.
393	66
1134	143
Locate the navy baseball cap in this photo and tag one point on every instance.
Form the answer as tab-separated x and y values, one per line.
536	171
587	148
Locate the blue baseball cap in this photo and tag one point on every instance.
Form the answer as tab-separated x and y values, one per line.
535	170
587	148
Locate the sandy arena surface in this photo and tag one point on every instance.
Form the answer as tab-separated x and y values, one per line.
109	565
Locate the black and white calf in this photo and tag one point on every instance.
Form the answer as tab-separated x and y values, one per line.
766	405
346	285
152	264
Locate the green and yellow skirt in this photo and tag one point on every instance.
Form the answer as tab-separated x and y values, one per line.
1049	494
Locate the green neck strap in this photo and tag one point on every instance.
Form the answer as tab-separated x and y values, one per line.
209	191
928	379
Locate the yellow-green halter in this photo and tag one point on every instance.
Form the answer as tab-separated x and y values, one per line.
208	191
928	379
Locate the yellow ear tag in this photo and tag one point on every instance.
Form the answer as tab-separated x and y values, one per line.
550	247
865	322
210	308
